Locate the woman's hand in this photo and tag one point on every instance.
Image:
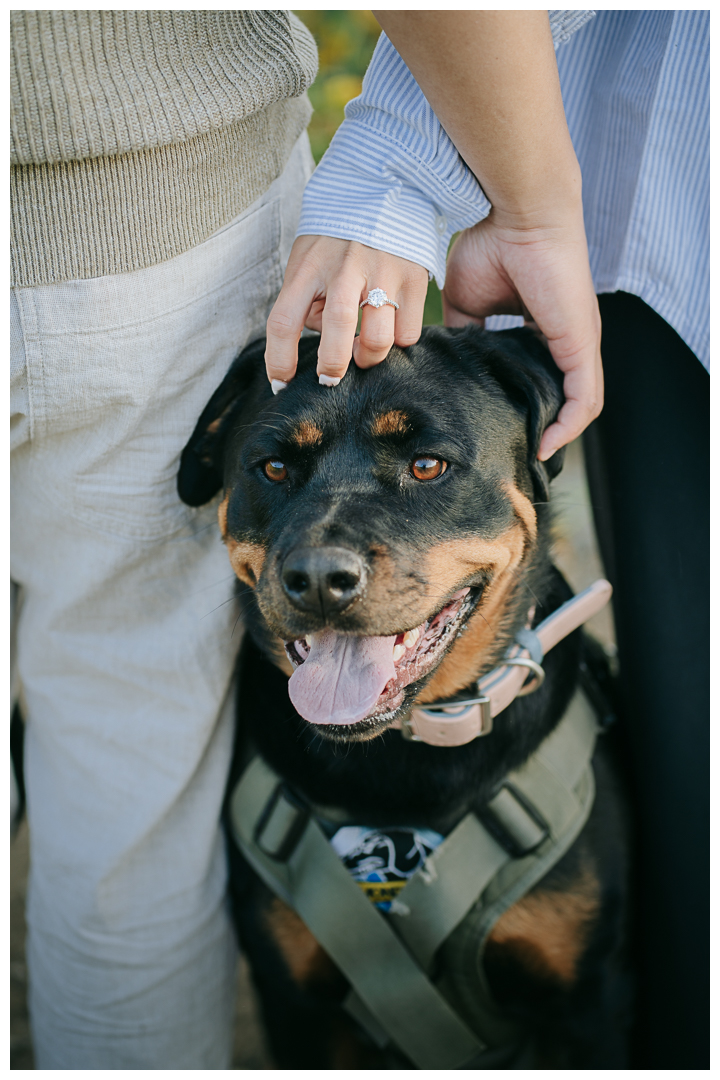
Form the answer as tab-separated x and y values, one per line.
492	81
325	281
541	271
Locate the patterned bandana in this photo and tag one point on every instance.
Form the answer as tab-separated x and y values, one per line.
383	860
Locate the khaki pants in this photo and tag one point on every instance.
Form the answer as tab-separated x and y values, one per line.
126	643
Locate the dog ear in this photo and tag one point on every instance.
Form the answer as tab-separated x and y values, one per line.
527	372
202	461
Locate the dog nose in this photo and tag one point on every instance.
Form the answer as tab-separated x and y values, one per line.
323	580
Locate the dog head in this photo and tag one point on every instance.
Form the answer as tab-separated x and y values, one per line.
382	526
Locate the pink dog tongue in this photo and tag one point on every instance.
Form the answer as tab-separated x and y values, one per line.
342	678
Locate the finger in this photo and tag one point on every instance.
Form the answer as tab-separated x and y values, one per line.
409	317
382	327
572	328
452	316
339	320
377	335
583	388
313	320
284	327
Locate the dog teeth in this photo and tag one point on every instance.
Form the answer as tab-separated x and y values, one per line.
398	653
410	637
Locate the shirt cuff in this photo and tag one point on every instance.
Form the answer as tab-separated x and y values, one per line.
371	188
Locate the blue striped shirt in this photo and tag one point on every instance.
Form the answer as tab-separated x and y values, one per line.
636	95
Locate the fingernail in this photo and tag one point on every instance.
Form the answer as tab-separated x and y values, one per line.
277	385
328	380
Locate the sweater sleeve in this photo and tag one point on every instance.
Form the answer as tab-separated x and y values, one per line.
391	177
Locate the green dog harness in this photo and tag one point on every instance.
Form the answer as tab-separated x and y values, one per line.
446	909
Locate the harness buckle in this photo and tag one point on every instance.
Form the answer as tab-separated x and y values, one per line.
281	824
514	821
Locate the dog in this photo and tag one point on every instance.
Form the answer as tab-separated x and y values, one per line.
391	537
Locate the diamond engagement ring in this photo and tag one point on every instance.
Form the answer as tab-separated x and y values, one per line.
377	298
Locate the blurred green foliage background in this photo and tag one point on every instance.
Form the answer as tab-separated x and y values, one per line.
346	40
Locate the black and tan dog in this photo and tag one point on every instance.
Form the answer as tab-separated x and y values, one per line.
391	535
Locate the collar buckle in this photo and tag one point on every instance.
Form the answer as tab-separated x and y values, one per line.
458	708
471	715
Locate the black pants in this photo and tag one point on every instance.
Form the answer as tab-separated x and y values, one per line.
648	467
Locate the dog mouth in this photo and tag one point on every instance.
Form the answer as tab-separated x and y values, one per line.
343	682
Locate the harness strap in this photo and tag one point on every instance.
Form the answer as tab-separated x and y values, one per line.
539	811
437	898
536	804
567	751
354	934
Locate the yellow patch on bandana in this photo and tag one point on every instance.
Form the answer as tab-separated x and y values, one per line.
382	892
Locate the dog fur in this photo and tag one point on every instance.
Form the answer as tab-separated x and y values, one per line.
479	403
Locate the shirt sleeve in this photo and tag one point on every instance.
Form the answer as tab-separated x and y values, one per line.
391	177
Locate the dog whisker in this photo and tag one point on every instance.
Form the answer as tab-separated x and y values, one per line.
213	610
214	584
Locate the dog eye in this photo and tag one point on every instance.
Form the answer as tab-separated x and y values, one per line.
427	468
275	470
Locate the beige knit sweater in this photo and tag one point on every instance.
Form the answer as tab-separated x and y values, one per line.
137	134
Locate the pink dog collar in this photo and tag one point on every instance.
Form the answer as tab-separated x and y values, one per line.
458	722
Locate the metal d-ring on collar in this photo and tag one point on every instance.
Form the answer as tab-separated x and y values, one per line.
534	684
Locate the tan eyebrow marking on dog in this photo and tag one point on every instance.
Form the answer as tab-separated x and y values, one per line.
307	434
394	422
307	961
547	931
